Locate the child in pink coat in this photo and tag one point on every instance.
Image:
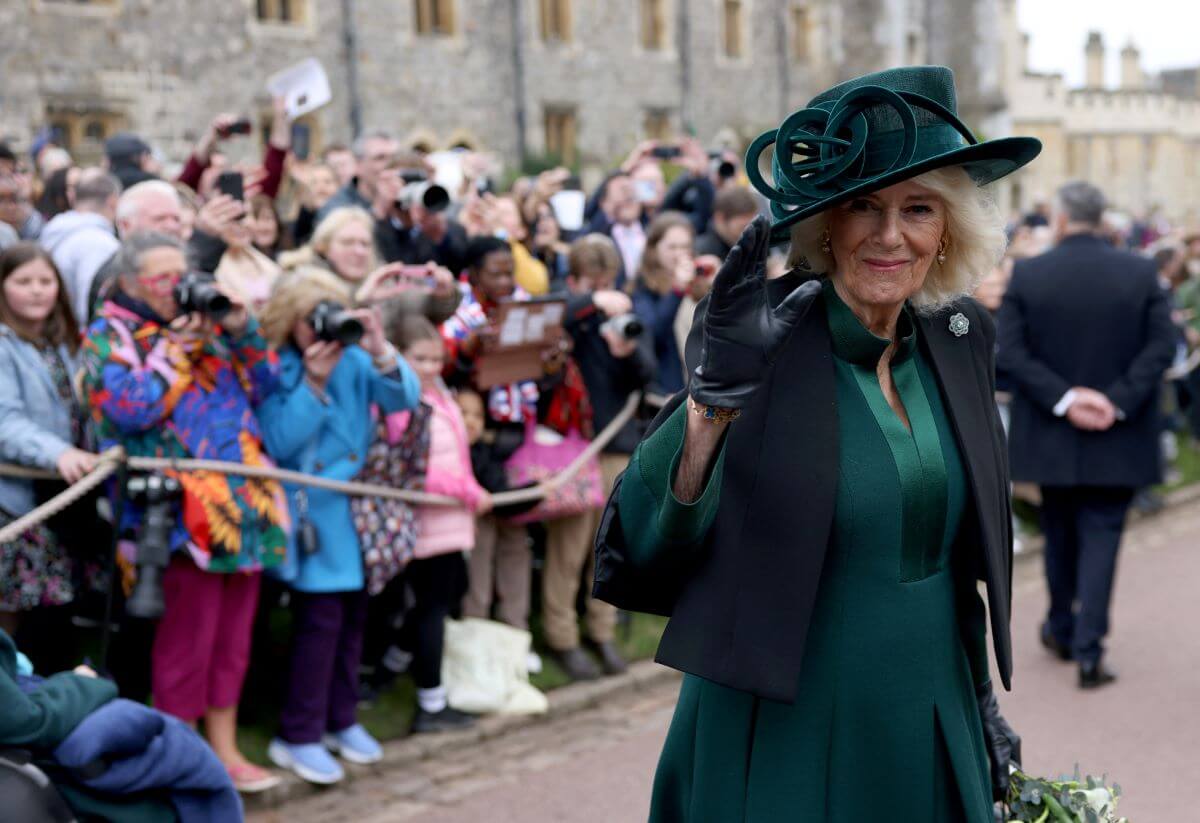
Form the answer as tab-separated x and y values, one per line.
437	575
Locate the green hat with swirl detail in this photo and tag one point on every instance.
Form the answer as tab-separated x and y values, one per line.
869	133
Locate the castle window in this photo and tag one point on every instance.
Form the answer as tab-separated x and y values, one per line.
435	17
82	131
293	12
657	124
560	127
556	20
732	30
654	25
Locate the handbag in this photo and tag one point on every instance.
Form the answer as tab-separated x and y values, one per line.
544	454
387	528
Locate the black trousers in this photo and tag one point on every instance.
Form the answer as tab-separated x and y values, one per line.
1083	526
438	584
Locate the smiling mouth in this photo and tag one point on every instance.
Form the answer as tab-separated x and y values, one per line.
886	265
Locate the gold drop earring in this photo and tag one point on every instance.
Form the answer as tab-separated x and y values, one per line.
941	252
825	247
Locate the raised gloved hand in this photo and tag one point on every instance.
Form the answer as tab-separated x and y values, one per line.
741	334
1003	744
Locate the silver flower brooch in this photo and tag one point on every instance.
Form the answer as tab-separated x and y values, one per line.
959	324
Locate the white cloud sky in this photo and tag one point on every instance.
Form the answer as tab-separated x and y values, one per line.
1166	31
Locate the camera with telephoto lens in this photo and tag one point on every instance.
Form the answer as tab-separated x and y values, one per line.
425	192
332	323
629	326
157	494
197	293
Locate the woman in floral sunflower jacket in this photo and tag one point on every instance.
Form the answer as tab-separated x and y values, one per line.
163	384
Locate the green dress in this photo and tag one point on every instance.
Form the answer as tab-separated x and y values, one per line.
885	724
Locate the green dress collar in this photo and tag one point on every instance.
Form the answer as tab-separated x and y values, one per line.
853	342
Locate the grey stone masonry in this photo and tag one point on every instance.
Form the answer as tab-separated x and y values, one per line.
164	68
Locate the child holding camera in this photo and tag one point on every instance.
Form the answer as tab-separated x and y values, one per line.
437	576
335	364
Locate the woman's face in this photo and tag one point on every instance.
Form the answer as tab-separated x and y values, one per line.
323	184
546	232
161	270
31	292
350	250
237	234
883	244
674	247
495	277
426	358
264	228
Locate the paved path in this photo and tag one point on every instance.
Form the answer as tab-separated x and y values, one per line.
596	766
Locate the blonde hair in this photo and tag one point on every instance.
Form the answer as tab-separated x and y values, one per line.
313	253
974	237
294	296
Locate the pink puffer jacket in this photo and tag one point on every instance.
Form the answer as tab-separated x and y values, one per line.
443	529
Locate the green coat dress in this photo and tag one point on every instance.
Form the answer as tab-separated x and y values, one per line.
885	724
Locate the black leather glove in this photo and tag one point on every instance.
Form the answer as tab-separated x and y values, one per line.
1003	745
741	334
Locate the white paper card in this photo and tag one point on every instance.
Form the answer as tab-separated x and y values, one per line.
568	208
304	87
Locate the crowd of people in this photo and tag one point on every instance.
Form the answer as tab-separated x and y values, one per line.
326	316
329	316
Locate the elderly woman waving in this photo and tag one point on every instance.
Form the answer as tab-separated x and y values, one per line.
815	510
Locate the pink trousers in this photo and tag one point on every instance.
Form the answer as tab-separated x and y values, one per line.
202	646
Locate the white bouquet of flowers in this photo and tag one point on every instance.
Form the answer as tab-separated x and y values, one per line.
1068	800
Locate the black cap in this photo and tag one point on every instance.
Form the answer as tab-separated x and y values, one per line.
125	146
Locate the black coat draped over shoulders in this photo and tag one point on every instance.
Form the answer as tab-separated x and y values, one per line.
740	605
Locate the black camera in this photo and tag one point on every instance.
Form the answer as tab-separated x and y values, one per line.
629	326
334	324
198	293
157	493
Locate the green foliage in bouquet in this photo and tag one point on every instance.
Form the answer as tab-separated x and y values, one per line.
1069	800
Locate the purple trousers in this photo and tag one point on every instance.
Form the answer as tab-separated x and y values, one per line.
322	690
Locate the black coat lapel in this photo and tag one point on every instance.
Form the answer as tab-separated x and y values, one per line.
961	364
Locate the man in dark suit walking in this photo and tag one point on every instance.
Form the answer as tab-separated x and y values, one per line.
1084	335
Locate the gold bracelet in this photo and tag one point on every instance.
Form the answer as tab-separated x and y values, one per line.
714	414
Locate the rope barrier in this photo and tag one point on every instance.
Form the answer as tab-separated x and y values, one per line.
112	459
109	462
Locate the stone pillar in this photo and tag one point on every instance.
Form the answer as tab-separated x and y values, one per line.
969	38
1093	54
872	36
1131	68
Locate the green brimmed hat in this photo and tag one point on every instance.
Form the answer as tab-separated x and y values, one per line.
869	133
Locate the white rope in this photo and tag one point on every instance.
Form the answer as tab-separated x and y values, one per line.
112	459
109	462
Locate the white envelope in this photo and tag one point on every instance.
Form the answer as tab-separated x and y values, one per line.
304	87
